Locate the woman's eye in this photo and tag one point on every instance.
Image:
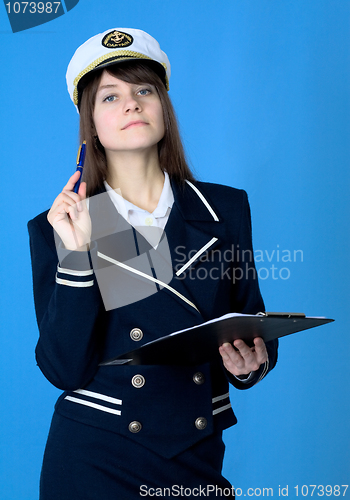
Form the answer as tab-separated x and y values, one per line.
110	98
144	91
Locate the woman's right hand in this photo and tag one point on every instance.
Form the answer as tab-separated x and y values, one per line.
69	216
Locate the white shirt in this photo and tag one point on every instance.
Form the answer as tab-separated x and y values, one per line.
142	219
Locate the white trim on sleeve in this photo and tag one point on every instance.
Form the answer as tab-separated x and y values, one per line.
77	284
222	408
220	398
72	272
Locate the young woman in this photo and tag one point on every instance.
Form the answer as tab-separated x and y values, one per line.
151	251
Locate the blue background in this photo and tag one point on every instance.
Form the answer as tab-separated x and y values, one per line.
261	88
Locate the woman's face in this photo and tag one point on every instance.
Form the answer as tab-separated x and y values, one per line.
127	117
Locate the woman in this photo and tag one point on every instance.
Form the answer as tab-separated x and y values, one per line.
145	256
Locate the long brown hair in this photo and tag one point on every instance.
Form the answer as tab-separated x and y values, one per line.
170	149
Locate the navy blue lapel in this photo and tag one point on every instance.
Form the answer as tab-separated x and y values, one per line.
190	229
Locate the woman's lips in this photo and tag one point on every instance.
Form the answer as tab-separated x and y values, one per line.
134	124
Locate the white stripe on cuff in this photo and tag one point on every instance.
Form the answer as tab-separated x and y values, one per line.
77	284
222	408
73	272
264	372
220	398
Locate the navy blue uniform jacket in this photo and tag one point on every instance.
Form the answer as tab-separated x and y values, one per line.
164	408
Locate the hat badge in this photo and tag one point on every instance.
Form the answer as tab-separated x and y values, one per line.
115	39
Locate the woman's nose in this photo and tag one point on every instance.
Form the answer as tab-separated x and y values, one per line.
131	104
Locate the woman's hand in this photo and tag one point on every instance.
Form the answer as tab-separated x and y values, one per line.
69	216
245	359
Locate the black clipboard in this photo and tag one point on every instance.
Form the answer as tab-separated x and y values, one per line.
200	343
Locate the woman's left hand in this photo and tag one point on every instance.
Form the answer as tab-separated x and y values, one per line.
243	359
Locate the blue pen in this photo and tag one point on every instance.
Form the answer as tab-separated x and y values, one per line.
80	165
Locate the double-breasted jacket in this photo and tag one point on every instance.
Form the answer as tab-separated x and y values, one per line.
93	306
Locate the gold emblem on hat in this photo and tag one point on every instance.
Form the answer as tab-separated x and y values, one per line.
117	39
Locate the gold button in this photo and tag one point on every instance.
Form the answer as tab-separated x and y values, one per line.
136	334
138	381
135	426
148	221
201	423
198	378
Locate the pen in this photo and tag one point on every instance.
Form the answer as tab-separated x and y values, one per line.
80	164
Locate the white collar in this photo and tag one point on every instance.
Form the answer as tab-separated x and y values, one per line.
123	206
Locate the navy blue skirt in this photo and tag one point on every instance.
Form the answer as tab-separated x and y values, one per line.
87	463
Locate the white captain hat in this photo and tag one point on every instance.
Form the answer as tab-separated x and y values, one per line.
112	47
